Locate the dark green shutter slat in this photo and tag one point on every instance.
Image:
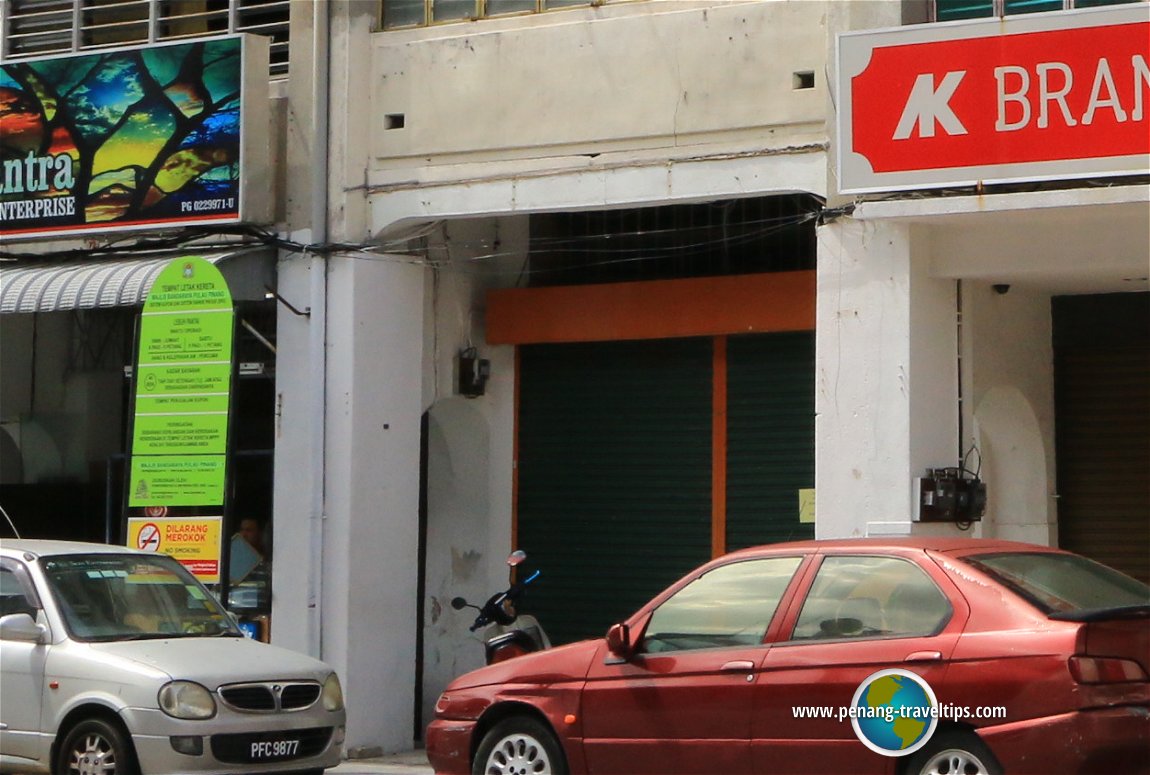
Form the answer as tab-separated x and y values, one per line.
614	476
770	436
1102	427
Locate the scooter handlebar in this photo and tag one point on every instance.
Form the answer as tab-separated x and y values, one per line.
489	612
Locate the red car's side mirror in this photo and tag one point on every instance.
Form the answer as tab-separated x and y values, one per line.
619	642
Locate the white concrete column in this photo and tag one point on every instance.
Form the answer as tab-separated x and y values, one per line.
862	400
886	395
371	531
299	432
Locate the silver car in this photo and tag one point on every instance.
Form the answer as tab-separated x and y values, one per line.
118	662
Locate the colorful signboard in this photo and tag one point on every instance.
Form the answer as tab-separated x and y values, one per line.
183	389
195	541
134	138
1030	97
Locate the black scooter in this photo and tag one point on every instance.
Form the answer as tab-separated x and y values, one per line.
509	634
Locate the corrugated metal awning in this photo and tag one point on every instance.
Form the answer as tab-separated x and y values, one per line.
90	284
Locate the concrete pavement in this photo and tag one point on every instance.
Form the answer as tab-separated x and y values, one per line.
407	763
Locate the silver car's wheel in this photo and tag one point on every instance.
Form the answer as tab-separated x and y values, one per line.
954	753
95	747
519	746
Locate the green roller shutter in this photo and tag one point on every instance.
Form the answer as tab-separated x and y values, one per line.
1102	428
770	436
614	475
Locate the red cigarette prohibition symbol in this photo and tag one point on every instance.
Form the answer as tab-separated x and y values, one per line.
149	537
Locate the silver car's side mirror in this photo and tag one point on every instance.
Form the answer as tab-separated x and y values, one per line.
21	627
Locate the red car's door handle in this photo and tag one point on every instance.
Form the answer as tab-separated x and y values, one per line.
738	666
924	656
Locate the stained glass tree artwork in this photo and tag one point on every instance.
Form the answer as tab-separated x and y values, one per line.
131	136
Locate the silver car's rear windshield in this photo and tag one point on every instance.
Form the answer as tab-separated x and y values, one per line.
106	597
1065	584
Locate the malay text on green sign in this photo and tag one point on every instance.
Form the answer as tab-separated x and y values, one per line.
180	434
167	379
186	337
199	403
177	480
186	285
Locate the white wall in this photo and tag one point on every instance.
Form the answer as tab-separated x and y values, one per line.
301	406
619	77
1012	380
370	535
347	482
470	442
624	105
862	377
887	370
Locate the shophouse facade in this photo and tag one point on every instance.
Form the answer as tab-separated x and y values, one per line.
162	127
583	281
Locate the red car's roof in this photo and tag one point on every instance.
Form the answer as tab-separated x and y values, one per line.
934	543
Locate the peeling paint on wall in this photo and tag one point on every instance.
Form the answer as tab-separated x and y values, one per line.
463	565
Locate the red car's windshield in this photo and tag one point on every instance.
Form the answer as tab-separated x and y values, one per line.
1064	583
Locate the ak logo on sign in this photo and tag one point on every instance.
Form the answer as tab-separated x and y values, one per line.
1042	96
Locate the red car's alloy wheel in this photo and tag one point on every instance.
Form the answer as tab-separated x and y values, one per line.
519	746
954	753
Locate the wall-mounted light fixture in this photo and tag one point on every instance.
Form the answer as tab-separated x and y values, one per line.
473	373
949	495
273	294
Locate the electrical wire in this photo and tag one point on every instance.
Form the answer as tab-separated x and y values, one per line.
402	250
11	524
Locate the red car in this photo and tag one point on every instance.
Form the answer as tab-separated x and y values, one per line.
852	656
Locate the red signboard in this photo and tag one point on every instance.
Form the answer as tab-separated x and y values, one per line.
1042	96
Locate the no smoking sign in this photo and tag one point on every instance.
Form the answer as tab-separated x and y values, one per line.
148	538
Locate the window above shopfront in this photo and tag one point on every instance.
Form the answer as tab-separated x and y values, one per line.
37	27
950	10
417	13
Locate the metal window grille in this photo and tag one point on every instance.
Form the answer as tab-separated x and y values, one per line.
950	10
416	13
36	27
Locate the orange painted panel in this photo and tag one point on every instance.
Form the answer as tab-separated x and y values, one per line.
719	448
659	309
